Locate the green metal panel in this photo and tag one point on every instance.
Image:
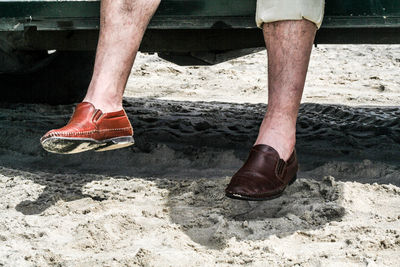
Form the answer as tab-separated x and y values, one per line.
362	14
73	8
189	14
363	8
176	14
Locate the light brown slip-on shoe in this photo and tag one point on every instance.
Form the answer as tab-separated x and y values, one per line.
264	176
90	129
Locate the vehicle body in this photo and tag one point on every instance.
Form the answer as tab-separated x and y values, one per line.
183	31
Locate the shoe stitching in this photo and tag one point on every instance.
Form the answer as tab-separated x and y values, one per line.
86	132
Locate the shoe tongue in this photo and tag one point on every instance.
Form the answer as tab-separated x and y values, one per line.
266	149
85	105
83	112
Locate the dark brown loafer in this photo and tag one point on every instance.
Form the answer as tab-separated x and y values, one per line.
264	176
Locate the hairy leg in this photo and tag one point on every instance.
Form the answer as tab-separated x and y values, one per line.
289	45
122	25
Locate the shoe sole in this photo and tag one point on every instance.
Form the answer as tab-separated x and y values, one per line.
65	145
243	197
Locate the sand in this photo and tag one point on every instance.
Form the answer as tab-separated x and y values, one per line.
161	203
345	75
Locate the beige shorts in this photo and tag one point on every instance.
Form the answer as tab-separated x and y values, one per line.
276	10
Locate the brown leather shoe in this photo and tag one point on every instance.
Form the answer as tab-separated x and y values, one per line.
90	129
264	176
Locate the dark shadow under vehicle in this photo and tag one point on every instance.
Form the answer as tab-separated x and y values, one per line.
187	32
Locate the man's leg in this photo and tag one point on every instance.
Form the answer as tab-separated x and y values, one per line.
123	23
272	163
100	123
289	45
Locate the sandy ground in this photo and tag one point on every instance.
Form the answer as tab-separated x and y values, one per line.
345	75
161	203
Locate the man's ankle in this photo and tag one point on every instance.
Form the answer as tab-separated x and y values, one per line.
283	144
104	107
